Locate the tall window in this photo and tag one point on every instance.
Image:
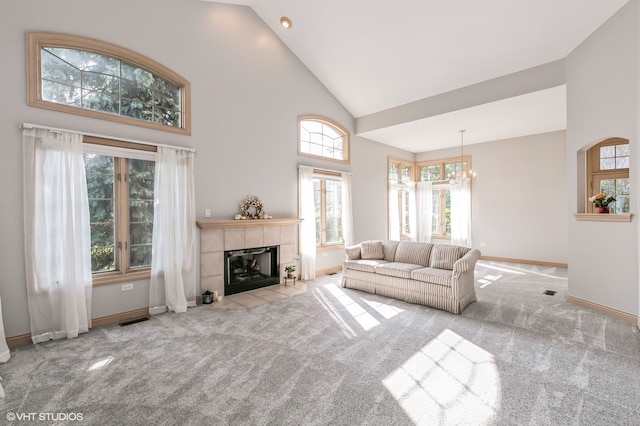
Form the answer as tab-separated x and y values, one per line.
88	77
401	198
328	206
608	171
439	172
323	138
121	201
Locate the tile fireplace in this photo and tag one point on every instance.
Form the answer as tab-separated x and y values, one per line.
220	236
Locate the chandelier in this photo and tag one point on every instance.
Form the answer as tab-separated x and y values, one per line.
461	174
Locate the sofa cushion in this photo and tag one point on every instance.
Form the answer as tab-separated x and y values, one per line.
433	276
371	250
389	247
443	256
352	252
363	264
413	252
396	269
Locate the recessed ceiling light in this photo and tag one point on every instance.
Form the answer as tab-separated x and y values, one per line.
286	23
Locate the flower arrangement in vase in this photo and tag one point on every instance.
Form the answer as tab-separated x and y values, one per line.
601	201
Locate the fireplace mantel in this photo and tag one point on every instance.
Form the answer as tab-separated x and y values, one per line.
246	223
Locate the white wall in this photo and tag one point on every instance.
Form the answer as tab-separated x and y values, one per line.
247	91
602	98
518	198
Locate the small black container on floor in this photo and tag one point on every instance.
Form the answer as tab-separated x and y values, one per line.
207	297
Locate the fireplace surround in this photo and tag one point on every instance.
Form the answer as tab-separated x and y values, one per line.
218	236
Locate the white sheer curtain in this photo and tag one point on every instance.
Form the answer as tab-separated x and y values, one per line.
461	214
424	203
398	209
173	263
57	235
394	211
411	193
308	225
347	210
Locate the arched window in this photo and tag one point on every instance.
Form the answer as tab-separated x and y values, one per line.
89	77
608	172
323	138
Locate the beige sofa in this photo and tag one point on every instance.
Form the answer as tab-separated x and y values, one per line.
436	275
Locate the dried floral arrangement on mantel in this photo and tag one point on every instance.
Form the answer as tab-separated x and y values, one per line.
252	208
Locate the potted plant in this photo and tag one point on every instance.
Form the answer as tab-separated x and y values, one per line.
601	201
290	269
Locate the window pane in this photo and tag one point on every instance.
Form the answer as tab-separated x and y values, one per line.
406	173
430	173
61	93
106	83
607	163
622	150
622	162
321	139
393	172
334	212
619	189
317	199
607	152
141	175
99	102
55	69
100	190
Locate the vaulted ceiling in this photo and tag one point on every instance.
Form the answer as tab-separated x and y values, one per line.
414	72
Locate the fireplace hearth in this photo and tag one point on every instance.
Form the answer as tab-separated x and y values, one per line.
251	268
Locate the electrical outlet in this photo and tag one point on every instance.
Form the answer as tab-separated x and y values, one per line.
483	244
127	287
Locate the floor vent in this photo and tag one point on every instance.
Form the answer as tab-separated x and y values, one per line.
331	273
549	292
133	321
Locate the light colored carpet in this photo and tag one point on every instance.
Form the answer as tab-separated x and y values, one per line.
324	355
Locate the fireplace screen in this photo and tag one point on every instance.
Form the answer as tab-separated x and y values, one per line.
249	269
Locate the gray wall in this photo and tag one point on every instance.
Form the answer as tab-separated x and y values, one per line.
247	92
518	197
602	97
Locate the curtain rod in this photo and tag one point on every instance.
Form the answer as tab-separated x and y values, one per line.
95	135
325	170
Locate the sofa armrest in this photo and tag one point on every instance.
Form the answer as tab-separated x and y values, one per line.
467	262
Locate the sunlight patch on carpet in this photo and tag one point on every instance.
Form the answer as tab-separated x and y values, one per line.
449	381
387	311
335	315
521	271
364	318
488	279
100	364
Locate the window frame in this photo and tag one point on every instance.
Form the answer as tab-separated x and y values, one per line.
323	176
595	175
123	272
337	127
37	40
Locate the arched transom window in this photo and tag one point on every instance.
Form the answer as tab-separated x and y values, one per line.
89	77
324	138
